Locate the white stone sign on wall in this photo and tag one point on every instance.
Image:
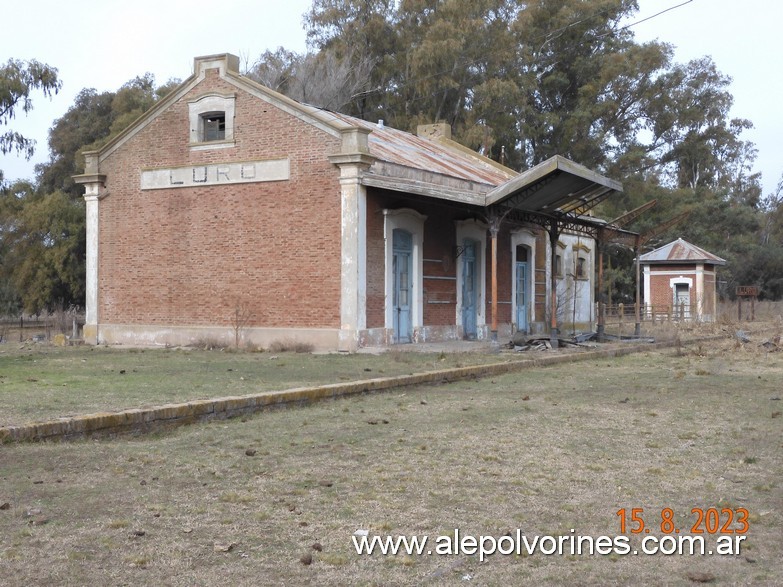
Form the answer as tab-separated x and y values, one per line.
216	174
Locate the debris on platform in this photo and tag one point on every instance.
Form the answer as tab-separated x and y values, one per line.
772	345
522	342
542	342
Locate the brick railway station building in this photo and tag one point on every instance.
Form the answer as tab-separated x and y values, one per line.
229	210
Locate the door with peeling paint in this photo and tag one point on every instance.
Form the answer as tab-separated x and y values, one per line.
469	289
682	300
521	301
402	251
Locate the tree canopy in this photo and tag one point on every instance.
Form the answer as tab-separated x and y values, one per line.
17	80
521	81
42	230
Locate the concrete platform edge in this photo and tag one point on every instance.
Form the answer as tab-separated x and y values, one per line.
142	421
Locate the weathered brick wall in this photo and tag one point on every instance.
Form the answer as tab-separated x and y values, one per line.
661	292
190	256
661	296
506	272
440	295
709	292
686	270
440	240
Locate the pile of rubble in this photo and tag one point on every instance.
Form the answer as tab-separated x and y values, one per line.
771	344
522	342
542	342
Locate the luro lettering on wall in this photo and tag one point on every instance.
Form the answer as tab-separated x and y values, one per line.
216	174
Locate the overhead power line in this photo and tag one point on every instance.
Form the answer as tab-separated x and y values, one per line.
648	18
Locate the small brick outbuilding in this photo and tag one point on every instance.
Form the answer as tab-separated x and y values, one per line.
680	280
232	213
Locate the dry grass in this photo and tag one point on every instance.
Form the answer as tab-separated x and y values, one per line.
40	382
651	430
289	345
769	320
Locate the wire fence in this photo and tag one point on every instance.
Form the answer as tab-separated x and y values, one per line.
623	318
42	327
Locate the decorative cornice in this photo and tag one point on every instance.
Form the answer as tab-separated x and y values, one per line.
352	159
580	247
89	178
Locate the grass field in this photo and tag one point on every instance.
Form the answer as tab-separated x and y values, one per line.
251	501
41	382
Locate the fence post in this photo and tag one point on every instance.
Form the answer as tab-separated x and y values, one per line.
621	314
637	329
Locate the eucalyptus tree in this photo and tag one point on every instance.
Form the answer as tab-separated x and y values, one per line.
17	80
42	236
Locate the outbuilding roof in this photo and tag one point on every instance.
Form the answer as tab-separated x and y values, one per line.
679	251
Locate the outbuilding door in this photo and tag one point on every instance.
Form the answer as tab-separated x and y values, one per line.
402	250
469	289
682	300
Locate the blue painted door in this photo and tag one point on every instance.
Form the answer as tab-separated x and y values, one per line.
402	250
522	295
469	289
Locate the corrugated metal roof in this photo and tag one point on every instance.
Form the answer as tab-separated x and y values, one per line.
556	184
680	251
409	150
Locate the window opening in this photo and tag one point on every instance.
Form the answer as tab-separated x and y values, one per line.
214	126
580	268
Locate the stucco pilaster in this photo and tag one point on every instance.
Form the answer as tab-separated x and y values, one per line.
353	231
93	183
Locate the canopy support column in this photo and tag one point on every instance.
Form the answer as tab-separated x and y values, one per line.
601	327
638	327
494	228
554	234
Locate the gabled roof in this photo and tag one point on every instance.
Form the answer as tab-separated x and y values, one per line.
228	65
680	251
402	161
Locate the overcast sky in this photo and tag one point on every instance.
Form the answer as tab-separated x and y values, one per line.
103	44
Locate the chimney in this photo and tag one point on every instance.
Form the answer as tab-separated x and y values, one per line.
438	130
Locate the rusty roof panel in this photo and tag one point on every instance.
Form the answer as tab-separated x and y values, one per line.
404	148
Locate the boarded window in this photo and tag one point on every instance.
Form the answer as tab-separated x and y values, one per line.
214	126
581	268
